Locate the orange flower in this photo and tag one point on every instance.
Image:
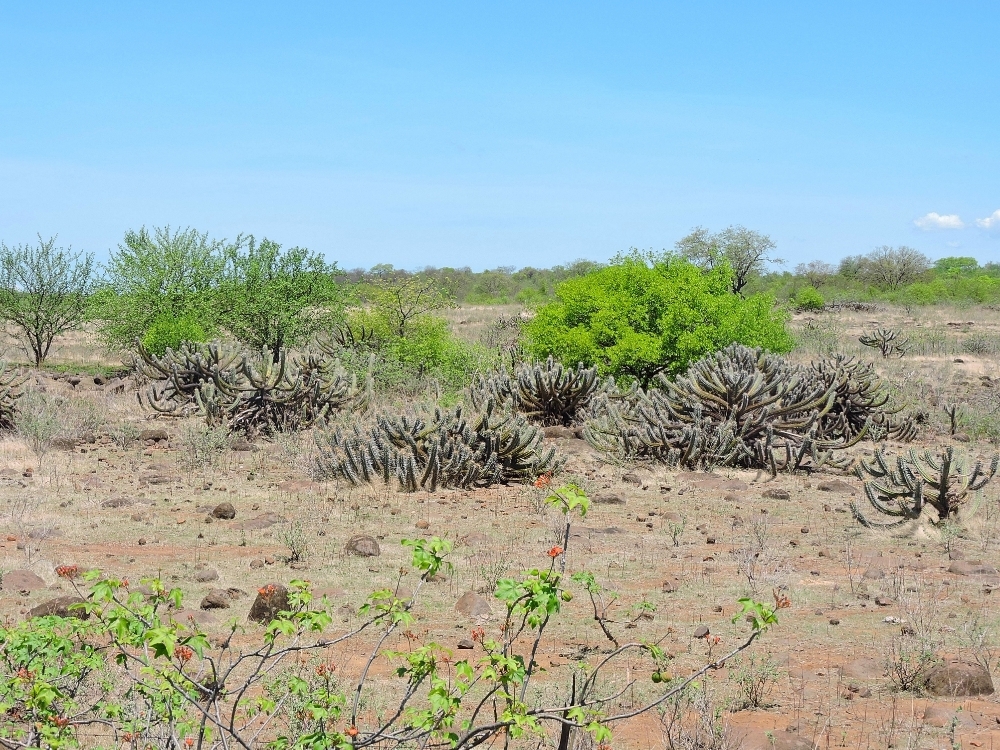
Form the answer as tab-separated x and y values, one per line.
189	742
543	480
555	551
267	591
352	732
67	571
183	653
478	634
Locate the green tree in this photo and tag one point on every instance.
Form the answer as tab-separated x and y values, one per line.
745	251
643	315
271	299
44	291
166	273
401	299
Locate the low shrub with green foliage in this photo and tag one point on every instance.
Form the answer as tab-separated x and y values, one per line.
643	315
809	298
169	332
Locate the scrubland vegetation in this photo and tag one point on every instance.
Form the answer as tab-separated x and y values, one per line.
682	500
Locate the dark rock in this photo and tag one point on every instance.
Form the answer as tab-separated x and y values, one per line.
564	433
362	545
206	574
60	606
241	444
632	478
776	493
883	601
254	564
959	679
607	498
943	716
474	606
701	631
224	510
21	580
215	599
961	437
836	486
99	380
156	435
670	586
466	644
118	502
271	599
834	621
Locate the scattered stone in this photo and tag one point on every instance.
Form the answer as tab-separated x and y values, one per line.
834	621
299	486
804	530
224	511
206	574
271	599
670	586
883	601
142	541
157	436
473	606
837	486
701	631
263	521
99	380
422	524
874	574
863	669
971	568
557	431
959	679
608	498
961	437
215	599
362	545
118	502
632	478
21	580
466	643
241	445
776	493
60	607
936	715
254	564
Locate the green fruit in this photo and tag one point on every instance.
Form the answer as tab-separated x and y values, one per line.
657	677
567	596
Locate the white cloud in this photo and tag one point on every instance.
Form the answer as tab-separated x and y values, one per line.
937	221
990	222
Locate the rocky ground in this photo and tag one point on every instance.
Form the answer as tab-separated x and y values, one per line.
676	548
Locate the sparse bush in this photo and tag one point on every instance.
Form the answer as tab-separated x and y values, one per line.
755	675
202	445
293	536
38	420
982	344
908	662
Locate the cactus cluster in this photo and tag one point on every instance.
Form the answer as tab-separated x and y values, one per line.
546	393
861	398
10	392
886	340
904	487
249	394
445	448
736	407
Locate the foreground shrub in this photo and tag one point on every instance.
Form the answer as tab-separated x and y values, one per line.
640	317
444	449
124	664
809	298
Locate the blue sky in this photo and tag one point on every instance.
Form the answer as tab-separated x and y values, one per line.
489	134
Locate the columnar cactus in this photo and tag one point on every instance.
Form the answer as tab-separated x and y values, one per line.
901	489
886	340
443	449
251	394
546	393
10	391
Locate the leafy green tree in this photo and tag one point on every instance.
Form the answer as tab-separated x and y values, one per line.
272	298
399	300
166	273
745	251
44	291
643	315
